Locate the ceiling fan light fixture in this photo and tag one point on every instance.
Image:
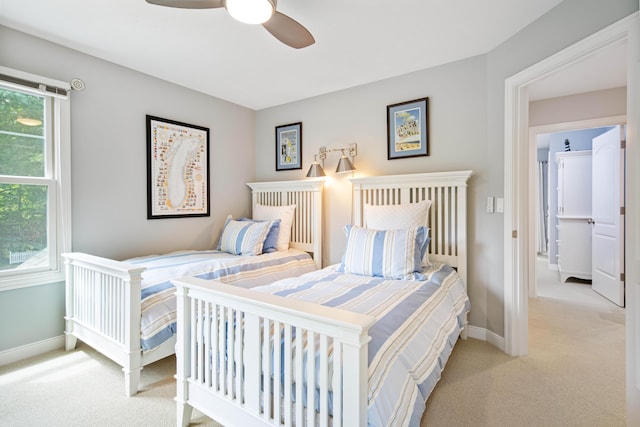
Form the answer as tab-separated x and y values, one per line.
251	11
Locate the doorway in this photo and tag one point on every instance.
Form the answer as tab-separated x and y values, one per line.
519	232
552	143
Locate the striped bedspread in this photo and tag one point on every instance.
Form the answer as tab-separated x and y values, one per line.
158	299
418	323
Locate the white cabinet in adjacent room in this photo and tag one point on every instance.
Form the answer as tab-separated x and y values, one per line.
574	214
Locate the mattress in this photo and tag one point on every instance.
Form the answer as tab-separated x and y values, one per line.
158	322
417	325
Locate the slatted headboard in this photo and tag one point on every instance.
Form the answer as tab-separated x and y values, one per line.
306	230
447	214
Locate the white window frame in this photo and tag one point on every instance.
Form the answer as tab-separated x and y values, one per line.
58	180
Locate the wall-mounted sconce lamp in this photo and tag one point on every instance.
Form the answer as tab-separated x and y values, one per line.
344	164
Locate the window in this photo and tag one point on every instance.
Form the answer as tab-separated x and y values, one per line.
34	179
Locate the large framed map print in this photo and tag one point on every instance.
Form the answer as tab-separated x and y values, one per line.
177	169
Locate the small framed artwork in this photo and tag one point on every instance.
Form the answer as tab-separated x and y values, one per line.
408	129
289	146
177	169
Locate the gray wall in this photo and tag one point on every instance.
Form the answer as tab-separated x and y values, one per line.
108	137
30	315
585	106
466	132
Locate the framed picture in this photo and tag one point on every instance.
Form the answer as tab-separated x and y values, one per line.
289	146
408	129
177	169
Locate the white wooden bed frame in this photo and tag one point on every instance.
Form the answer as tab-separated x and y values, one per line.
103	303
210	350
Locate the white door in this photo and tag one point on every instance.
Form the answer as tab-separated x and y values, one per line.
607	235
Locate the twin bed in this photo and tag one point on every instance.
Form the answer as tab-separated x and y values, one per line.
359	343
104	308
354	344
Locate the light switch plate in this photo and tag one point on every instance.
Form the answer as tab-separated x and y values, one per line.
490	204
499	204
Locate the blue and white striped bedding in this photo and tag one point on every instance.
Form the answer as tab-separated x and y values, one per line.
418	323
158	321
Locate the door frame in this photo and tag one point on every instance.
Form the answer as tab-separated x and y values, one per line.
519	173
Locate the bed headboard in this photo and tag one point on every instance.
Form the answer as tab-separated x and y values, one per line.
447	214
306	230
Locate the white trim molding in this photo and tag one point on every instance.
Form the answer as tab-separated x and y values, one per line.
484	334
31	350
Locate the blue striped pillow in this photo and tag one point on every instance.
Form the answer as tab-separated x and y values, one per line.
244	237
392	254
271	240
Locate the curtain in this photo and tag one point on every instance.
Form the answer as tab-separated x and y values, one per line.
541	207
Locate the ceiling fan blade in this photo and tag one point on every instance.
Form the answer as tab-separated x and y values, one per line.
289	31
189	4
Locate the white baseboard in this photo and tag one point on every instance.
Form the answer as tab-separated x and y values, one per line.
30	350
41	347
485	335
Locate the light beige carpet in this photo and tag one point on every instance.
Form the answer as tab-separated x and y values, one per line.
573	376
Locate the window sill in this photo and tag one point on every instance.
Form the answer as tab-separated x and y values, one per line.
28	280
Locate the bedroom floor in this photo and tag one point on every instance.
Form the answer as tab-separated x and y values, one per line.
84	388
574	375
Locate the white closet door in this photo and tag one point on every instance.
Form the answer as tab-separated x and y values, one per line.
607	229
574	183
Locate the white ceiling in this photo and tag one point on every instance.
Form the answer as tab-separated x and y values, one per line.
357	41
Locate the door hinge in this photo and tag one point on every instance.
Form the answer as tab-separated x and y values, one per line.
623	144
622	277
514	234
622	210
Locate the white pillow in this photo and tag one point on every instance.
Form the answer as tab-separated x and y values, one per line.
398	217
284	214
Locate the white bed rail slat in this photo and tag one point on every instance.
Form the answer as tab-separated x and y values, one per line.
323	387
277	373
278	332
266	368
311	378
336	384
252	367
299	372
193	337
287	356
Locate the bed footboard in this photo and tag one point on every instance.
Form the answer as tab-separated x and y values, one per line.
103	310
250	358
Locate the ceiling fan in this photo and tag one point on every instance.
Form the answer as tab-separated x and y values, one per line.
264	12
